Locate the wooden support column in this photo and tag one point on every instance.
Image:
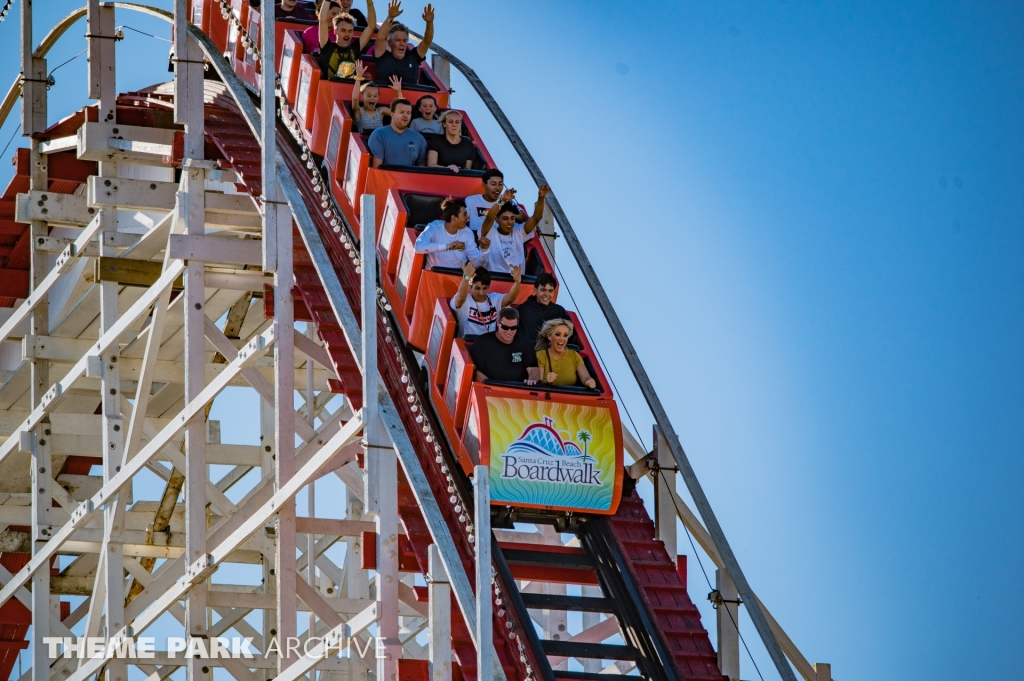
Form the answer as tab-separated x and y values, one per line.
485	658
591	619
103	87
33	119
728	614
272	205
356	582
277	258
284	443
381	462
440	592
822	671
554	622
190	205
665	509
311	491
267	468
42	530
443	69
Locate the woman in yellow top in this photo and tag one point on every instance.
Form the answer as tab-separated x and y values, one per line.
558	364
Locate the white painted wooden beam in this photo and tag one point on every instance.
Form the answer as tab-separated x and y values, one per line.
64	209
112	142
232	204
58	144
727	620
237	281
116	192
440	603
665	513
215	249
485	658
231	222
330	526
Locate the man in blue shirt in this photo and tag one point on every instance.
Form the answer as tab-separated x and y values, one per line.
398	144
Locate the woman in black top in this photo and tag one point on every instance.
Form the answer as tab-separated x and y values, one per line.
451	150
394	58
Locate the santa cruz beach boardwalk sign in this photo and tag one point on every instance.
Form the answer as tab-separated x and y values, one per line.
553	455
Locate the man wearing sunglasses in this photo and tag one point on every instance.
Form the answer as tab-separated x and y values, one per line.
504	354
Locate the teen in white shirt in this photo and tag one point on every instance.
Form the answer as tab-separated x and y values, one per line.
448	242
501	240
479	204
476	310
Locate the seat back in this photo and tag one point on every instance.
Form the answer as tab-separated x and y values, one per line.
422	209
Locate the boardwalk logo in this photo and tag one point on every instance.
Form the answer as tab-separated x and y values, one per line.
551	455
541	454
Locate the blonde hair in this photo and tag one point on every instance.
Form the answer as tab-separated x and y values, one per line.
450	112
544	335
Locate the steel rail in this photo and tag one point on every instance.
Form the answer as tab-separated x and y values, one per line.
700	499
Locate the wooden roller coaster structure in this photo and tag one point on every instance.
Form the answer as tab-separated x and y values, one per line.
158	247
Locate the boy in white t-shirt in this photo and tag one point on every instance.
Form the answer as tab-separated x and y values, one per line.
476	310
502	247
448	242
479	204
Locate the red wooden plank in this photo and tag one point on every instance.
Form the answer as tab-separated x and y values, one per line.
14	283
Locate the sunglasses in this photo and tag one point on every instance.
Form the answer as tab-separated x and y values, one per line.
509	328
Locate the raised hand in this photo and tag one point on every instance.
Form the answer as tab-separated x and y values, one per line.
469	269
394	9
360	69
508	195
396	85
517	275
543	191
428	13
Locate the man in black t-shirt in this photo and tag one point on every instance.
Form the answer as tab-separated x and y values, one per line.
503	354
539	308
338	58
394	58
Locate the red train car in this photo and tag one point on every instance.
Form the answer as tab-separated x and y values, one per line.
547	447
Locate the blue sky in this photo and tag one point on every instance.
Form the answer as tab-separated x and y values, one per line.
809	217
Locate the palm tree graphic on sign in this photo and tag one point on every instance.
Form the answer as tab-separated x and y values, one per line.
584	437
